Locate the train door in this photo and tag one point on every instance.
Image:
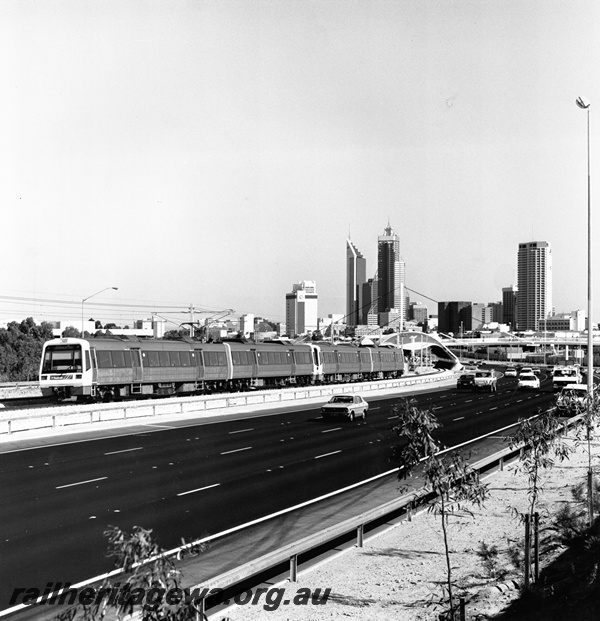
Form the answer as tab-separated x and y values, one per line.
136	363
254	363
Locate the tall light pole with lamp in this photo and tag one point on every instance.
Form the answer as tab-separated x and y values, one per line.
584	104
91	296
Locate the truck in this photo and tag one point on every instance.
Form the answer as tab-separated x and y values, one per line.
485	379
564	375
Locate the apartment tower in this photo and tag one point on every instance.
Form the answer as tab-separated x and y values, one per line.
534	283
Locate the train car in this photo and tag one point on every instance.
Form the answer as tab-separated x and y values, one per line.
106	368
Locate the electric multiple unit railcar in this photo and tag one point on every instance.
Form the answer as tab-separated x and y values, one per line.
114	368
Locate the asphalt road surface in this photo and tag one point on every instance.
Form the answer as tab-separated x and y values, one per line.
188	481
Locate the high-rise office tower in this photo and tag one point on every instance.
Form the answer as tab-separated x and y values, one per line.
301	315
534	282
390	273
356	276
509	306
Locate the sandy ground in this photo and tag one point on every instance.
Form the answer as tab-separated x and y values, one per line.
397	574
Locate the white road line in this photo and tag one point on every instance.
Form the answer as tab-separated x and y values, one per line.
328	430
81	482
327	454
494	408
390	417
137	448
459	418
242	430
246	448
469	401
192	491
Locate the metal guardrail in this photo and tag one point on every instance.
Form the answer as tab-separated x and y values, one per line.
64	416
408	502
290	553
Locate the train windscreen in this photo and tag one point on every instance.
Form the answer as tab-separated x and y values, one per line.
62	358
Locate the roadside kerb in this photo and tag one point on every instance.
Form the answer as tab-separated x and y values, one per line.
69	415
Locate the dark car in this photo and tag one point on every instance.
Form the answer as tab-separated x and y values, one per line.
465	381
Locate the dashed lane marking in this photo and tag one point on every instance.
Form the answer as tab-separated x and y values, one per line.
200	489
246	448
81	482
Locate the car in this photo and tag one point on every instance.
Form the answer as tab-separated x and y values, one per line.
347	406
528	381
510	372
526	371
572	399
536	371
465	380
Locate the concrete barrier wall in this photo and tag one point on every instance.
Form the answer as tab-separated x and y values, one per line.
68	415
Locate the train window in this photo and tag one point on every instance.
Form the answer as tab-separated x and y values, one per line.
364	357
215	359
127	357
153	359
61	358
163	357
104	359
87	360
175	359
185	358
118	359
241	358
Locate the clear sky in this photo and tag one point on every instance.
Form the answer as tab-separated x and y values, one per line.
216	152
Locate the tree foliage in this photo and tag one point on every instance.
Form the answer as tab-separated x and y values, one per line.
21	349
142	587
447	474
542	439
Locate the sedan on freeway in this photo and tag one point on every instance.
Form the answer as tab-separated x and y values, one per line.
510	372
348	406
528	381
465	380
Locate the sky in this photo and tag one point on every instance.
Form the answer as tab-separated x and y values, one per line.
213	153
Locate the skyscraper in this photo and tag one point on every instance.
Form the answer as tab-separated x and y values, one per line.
390	274
509	305
356	276
534	282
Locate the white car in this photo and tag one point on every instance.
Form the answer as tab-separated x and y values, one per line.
348	406
510	372
572	398
528	381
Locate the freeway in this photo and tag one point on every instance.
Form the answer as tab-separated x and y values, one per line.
190	480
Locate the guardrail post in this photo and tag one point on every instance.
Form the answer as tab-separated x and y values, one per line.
501	464
199	607
360	535
536	546
462	609
527	560
294	568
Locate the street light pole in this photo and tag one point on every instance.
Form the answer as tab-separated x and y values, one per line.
91	296
584	104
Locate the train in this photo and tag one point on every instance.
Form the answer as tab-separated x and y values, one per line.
112	368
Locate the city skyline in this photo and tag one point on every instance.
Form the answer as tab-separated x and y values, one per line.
212	153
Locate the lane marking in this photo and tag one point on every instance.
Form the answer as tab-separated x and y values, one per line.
327	454
459	418
328	430
81	482
494	408
246	448
242	430
137	448
193	491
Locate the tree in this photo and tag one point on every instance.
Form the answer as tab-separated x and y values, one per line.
448	475
542	441
21	349
72	332
149	582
